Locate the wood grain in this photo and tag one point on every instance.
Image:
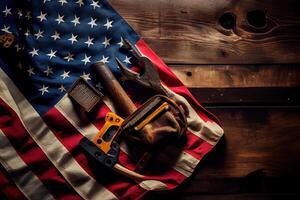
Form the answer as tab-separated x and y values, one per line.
258	155
189	32
237	76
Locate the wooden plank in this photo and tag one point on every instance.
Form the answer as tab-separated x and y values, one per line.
239	76
259	144
190	32
259	154
243	196
250	196
257	96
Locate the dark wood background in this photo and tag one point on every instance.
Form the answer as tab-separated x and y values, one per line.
241	61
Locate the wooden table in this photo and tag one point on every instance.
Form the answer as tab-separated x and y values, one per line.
239	58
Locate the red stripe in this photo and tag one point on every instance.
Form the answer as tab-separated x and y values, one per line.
33	156
8	187
69	136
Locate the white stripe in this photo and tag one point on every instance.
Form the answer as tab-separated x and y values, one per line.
85	185
184	165
28	183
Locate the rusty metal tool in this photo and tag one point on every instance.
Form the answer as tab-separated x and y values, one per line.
148	78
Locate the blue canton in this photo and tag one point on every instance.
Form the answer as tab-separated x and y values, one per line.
58	41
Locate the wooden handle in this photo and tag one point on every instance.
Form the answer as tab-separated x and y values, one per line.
113	88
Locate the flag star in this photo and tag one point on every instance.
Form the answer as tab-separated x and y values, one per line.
86	76
60	19
30	71
99	86
7	11
56	36
127	60
44	89
62	2
65	74
92	23
18	48
48	71
76	20
28	15
89	41
19	13
86	59
108	24
106	42
95	4
39	34
6	29
73	38
27	33
69	57
51	54
121	43
42	16
80	2
104	59
34	52
62	88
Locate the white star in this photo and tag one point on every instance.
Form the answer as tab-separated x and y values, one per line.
104	59
27	33
62	88
86	76
56	36
89	41
80	2
65	74
7	11
73	38
44	89
121	43
86	59
62	2
69	57
60	19
95	4
46	1
92	22
108	24
42	16
76	20
18	48
28	15
6	29
106	42
20	14
30	71
39	34
51	54
127	60
34	52
48	71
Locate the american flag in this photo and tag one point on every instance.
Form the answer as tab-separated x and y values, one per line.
40	127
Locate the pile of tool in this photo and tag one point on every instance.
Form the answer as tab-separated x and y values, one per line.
159	122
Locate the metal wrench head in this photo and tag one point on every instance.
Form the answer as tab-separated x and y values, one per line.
148	76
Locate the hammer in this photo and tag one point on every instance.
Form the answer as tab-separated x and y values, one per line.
120	100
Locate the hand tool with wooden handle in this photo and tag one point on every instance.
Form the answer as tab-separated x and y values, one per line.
103	147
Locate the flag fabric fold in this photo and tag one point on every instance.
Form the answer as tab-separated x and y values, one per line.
40	127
